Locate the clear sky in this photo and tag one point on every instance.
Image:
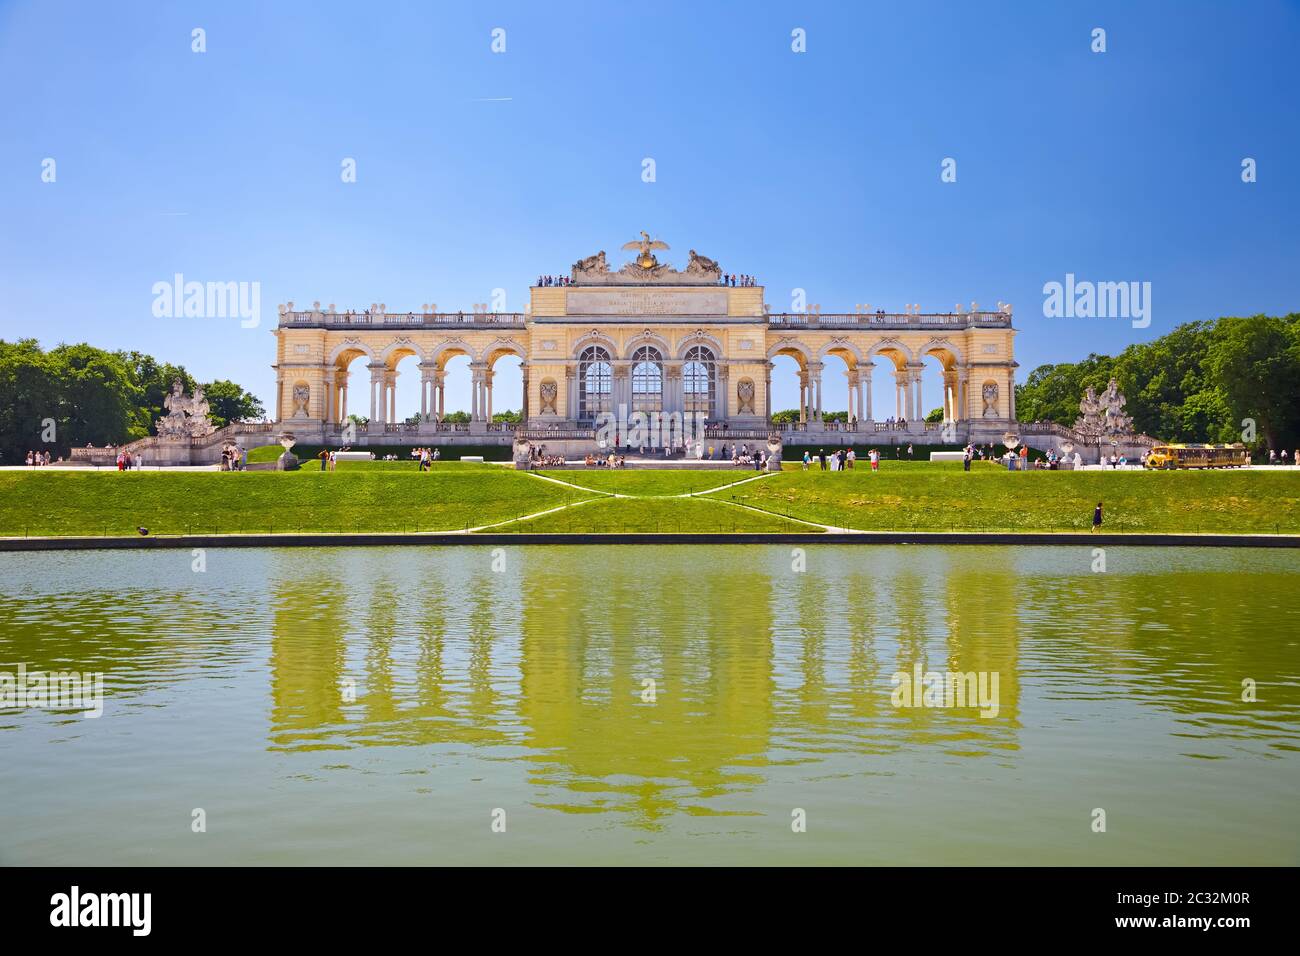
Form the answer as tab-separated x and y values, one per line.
478	170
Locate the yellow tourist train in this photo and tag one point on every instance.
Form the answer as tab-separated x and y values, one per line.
1198	456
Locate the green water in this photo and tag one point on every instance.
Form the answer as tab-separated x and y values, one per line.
520	688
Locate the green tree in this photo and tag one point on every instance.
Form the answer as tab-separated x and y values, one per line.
228	402
100	403
1255	363
29	399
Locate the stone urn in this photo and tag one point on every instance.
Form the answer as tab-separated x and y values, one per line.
287	461
523	454
774	450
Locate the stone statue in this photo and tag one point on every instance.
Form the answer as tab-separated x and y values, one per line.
187	417
592	265
1090	421
703	266
1118	422
1104	415
645	257
301	399
645	269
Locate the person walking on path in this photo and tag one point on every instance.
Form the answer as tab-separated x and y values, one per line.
1096	518
965	462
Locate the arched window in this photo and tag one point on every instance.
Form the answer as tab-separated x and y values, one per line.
698	373
647	380
595	377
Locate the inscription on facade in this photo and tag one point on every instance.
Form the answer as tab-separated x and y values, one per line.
646	303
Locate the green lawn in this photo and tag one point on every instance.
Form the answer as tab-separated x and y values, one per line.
650	482
366	498
654	515
940	496
395	496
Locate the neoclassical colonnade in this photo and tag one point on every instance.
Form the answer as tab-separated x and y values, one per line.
906	364
573	370
382	365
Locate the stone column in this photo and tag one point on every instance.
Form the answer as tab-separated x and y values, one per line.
674	397
767	390
475	392
523	402
571	392
902	394
377	393
427	373
815	368
722	382
864	393
918	403
803	397
487	394
343	402
853	409
1011	393
620	391
950	396
329	397
390	386
440	386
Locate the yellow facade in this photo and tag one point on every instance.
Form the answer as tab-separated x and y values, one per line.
601	346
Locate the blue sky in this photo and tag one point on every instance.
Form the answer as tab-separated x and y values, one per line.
478	170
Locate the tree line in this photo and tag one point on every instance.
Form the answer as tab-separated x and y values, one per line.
1226	380
74	395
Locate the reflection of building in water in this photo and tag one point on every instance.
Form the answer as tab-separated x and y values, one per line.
984	631
414	651
705	639
308	649
752	662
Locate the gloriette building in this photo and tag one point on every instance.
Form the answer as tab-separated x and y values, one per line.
644	337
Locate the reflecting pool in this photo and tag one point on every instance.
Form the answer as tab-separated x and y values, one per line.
655	704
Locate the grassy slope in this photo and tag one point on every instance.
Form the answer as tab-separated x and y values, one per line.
653	515
940	496
395	497
650	481
365	498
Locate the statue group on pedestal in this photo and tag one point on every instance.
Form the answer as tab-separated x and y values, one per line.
1104	415
187	415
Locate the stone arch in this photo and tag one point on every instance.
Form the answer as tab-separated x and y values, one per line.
845	350
351	350
647	338
495	350
700	338
892	349
949	354
395	351
794	349
594	337
440	353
